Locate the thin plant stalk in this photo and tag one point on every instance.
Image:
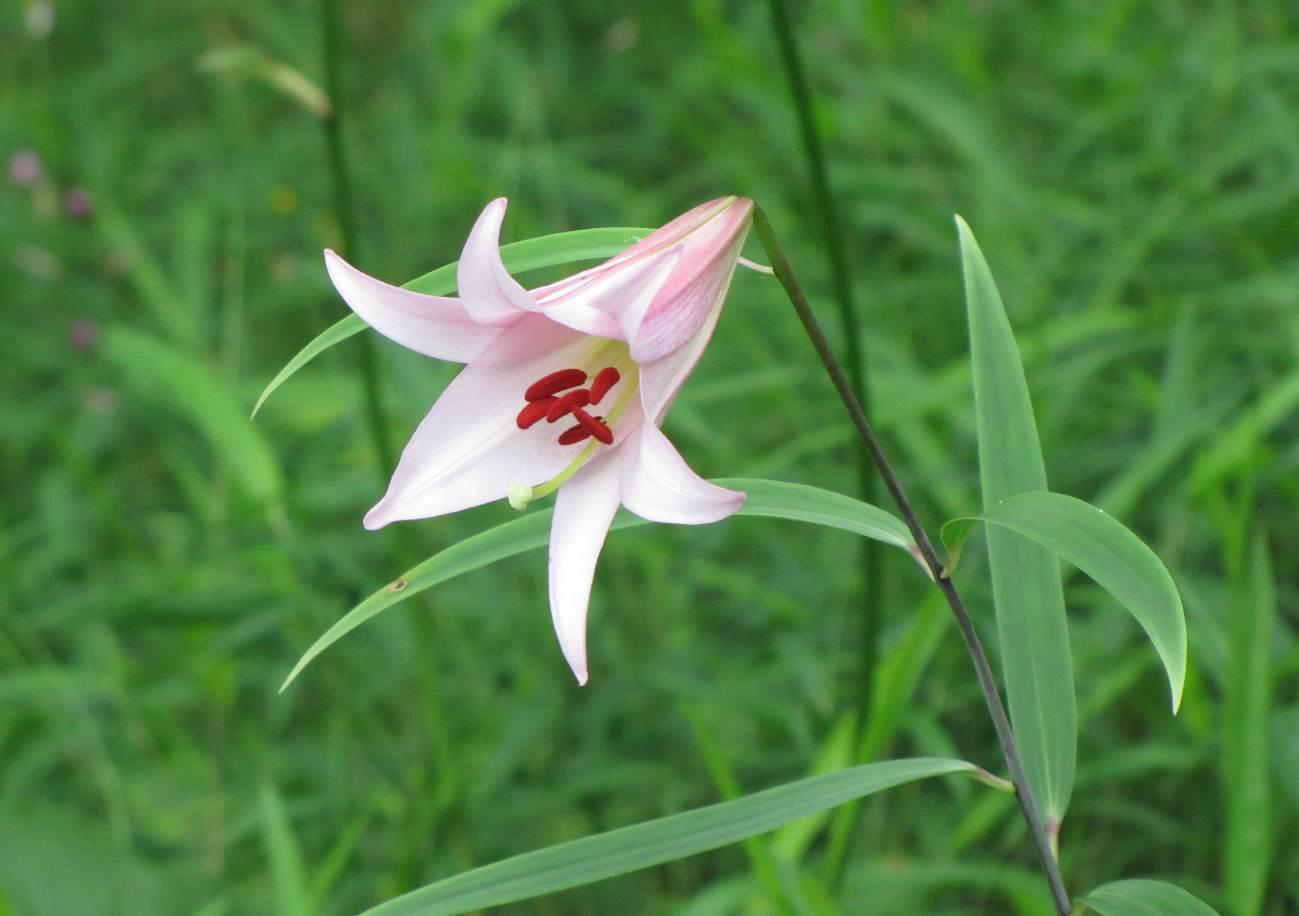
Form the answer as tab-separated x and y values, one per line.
340	174
987	683
855	360
377	422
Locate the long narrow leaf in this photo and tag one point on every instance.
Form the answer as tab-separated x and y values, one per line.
1147	898
628	849
283	856
1026	587
345	327
770	498
1106	551
161	372
529	254
1245	758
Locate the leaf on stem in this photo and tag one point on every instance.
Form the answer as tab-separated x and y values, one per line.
617	852
1026	586
1143	896
1105	550
769	498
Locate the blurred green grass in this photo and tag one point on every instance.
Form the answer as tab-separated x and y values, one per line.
1132	171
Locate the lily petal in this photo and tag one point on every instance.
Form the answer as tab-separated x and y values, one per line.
693	295
584	509
469	449
613	304
661	379
490	295
436	326
658	485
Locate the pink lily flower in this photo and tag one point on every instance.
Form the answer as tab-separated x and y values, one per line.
565	387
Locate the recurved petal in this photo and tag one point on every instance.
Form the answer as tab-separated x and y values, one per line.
658	485
469	449
584	510
436	326
489	293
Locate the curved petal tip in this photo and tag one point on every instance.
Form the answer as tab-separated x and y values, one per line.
377	517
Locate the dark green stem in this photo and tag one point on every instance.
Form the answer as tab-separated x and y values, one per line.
376	416
987	683
377	421
871	552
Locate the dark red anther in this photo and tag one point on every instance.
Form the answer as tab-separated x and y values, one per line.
605	379
564	403
574	435
554	383
595	427
534	412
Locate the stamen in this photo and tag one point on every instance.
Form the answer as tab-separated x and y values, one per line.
534	412
574	435
579	398
605	379
555	382
595	427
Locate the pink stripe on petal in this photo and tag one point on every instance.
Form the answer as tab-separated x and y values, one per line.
697	288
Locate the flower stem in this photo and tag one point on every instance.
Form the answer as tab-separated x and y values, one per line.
988	684
871	551
376	416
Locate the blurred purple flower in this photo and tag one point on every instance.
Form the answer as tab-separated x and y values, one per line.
78	204
98	399
83	334
25	168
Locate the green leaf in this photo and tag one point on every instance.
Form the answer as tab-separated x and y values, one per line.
1233	445
768	498
339	331
283	856
158	371
529	254
1108	552
628	849
1026	587
1247	710
1143	897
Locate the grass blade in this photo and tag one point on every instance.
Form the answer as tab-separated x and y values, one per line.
769	498
1143	896
159	371
1245	775
284	856
1026	585
529	254
1106	551
618	852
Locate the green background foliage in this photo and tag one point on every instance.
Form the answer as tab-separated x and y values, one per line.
1132	173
